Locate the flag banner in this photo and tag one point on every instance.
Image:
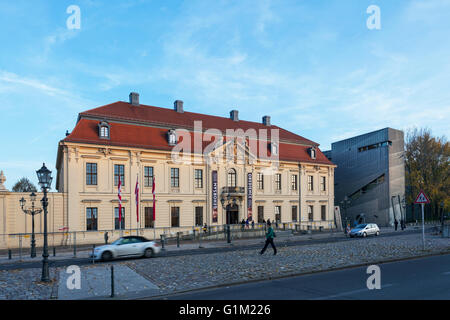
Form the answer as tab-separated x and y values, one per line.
154	201
249	196
136	192
214	196
119	195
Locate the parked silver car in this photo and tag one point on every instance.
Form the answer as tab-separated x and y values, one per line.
364	230
132	246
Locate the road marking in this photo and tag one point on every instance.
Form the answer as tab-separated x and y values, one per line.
350	292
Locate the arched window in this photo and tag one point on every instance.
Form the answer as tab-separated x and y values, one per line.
103	130
232	178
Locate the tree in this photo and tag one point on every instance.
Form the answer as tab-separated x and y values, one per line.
24	185
428	168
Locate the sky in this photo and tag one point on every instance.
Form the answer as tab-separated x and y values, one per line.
314	66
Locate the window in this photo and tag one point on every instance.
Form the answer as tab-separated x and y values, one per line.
232	178
310	183
103	130
199	216
294	213
119	171
148	177
175	216
311	213
119	225
91	219
198	178
323	184
278	181
274	149
260	214
324	212
294	182
149	223
260	181
175	177
91	174
172	137
278	213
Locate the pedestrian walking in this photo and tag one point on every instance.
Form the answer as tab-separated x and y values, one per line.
269	239
247	223
402	224
106	237
205	228
242	224
396	224
253	224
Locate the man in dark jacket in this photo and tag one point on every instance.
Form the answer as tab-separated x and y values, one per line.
396	224
269	239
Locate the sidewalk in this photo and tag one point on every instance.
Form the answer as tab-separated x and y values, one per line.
189	245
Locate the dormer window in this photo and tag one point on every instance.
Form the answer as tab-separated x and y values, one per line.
274	148
103	130
172	137
312	153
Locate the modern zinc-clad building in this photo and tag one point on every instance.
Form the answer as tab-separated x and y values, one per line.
370	174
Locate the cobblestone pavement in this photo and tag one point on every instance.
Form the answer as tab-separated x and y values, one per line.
172	274
25	284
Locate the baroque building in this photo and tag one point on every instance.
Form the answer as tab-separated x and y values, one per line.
205	169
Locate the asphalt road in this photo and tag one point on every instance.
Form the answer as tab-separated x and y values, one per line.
422	278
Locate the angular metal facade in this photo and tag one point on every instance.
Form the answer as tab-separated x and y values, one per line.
371	173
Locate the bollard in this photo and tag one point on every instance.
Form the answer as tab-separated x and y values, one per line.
200	240
162	242
20	248
93	249
54	251
112	281
228	234
9	254
178	239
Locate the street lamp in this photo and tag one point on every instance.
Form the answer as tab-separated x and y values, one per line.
31	212
346	203
45	181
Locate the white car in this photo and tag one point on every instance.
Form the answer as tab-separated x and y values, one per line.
364	230
132	246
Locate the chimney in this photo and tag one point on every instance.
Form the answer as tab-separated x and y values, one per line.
134	98
178	106
234	115
266	121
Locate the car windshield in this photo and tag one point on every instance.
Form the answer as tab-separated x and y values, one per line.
360	226
117	242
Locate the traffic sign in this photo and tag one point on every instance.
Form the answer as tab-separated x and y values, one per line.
422	198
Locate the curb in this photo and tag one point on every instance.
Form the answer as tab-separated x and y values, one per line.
174	294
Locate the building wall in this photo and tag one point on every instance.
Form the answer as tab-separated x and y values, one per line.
67	208
356	169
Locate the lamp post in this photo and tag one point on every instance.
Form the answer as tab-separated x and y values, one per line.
31	212
442	217
45	181
346	203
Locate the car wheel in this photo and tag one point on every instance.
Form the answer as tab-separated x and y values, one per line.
364	235
378	233
148	253
106	256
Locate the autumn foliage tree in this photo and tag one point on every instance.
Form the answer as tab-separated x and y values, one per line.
428	168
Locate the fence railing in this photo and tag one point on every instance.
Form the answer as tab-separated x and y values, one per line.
80	239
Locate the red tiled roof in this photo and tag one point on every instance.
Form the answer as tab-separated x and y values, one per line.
129	135
123	111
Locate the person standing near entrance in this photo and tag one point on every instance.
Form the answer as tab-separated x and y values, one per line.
269	239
